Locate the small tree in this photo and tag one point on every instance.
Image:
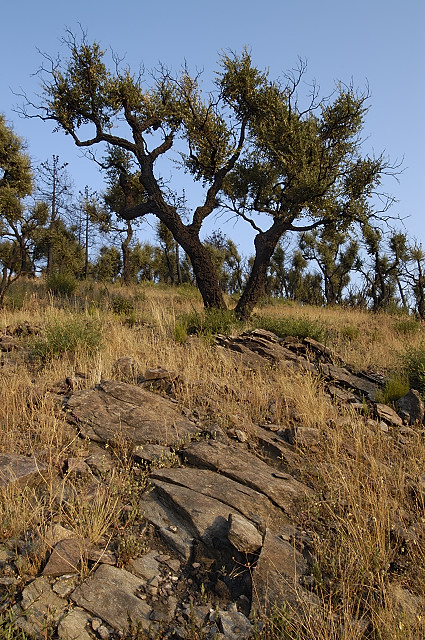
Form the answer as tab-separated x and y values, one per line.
17	223
248	143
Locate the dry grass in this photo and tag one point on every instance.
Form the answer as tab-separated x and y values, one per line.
365	480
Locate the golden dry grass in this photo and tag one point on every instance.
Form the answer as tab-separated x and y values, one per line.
365	481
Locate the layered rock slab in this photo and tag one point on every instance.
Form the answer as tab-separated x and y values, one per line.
276	577
281	488
19	469
235	496
110	594
114	409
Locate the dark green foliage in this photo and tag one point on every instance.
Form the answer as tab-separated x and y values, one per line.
78	334
407	326
122	305
394	388
208	323
414	366
298	327
61	284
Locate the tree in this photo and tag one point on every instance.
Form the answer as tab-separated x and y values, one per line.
55	189
335	255
247	142
383	272
16	222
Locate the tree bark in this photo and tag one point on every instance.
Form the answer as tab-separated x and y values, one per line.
265	243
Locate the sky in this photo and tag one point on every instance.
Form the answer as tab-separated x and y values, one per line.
375	44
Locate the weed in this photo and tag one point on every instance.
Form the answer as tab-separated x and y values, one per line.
407	326
207	323
61	284
395	387
301	327
122	305
414	366
76	334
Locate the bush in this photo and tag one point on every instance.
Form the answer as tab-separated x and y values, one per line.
122	305
298	327
208	323
414	366
67	336
395	387
407	326
61	284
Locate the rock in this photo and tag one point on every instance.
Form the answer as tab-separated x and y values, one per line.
110	594
145	567
65	558
408	606
347	379
20	469
151	453
8	344
235	496
282	489
40	607
74	626
413	405
276	577
125	368
234	625
118	409
243	535
389	415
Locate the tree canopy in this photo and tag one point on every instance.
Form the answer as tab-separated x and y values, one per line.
255	150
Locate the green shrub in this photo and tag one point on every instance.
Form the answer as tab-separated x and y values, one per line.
298	327
77	333
208	323
394	388
349	332
61	284
122	305
407	326
414	366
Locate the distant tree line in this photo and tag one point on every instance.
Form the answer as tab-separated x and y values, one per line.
291	169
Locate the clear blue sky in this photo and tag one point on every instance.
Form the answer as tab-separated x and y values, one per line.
376	42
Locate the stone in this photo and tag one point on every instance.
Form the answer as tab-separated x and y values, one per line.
145	567
347	379
169	525
389	415
151	453
243	535
110	594
234	625
22	470
40	608
276	577
74	626
125	368
118	409
282	489
236	496
413	405
55	534
65	558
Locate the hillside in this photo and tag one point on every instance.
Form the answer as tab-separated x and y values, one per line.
167	473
